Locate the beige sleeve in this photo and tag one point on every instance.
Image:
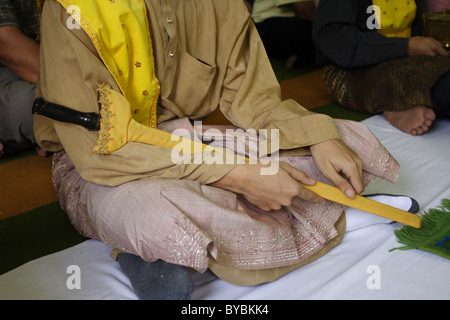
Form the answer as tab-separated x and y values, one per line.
252	98
69	72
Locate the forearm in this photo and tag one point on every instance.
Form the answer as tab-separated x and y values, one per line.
347	47
19	53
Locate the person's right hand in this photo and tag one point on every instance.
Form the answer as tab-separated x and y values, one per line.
268	192
425	46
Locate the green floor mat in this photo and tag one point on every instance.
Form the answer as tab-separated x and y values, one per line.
336	111
34	234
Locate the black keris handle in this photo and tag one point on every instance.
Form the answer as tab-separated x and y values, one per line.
57	112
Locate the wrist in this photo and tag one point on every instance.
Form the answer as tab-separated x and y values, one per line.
230	181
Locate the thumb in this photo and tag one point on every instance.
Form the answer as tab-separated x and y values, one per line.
305	180
343	185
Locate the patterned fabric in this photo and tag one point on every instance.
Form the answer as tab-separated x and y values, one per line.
187	223
123	42
396	17
395	85
22	14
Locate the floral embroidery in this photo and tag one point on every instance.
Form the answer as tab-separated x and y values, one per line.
104	136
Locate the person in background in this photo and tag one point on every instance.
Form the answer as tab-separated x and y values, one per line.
285	28
377	61
19	59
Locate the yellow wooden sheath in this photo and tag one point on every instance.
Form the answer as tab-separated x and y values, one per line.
358	202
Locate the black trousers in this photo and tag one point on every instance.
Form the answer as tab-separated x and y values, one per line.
440	94
283	37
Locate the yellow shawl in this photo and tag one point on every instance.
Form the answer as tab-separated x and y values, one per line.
120	33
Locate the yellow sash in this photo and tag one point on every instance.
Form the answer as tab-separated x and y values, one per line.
396	17
119	31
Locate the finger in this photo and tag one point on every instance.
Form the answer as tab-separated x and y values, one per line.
343	185
440	50
357	184
303	178
299	178
354	178
310	196
336	177
263	205
299	175
437	48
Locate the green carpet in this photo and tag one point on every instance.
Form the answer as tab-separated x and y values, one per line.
34	234
336	111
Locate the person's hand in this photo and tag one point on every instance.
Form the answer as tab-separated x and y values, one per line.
425	46
268	192
340	164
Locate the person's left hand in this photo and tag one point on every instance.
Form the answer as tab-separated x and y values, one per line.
337	162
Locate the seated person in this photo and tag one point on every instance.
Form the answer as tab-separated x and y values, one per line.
19	59
385	67
285	28
151	70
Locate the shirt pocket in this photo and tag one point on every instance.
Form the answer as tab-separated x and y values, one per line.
191	84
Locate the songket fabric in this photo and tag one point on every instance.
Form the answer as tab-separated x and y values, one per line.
395	85
198	226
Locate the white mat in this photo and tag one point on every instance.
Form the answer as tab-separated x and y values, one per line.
360	268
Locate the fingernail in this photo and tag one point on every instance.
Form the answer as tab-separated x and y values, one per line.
349	193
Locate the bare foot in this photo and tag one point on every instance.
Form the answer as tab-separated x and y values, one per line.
415	121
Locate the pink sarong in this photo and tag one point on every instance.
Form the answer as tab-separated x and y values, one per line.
186	223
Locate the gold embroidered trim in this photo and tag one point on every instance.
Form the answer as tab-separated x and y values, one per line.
39	6
104	136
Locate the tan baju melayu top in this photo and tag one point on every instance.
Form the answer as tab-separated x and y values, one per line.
202	63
